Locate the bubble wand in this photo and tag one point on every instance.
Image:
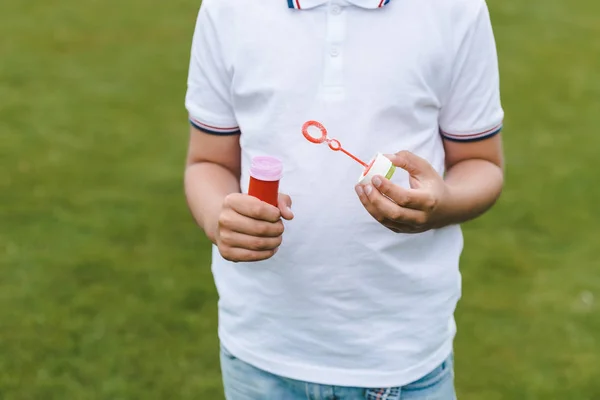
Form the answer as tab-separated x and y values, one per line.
379	165
334	144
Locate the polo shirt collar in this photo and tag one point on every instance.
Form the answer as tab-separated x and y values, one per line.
307	4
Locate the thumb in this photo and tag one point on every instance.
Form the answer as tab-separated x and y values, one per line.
285	204
416	166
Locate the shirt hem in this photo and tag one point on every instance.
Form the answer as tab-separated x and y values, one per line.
495	124
339	377
209	118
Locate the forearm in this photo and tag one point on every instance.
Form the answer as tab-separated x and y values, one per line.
206	186
473	188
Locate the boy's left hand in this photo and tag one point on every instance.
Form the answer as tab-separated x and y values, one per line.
418	209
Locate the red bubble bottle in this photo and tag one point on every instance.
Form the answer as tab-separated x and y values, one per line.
265	173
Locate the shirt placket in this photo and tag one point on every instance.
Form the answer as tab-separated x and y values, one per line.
333	74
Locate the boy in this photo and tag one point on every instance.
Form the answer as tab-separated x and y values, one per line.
354	294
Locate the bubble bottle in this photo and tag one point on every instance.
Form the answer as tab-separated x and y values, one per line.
265	173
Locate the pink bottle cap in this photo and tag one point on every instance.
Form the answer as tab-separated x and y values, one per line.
266	168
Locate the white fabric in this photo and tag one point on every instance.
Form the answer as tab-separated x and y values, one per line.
345	301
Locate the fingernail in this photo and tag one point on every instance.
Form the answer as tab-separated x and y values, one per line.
368	189
376	181
275	251
359	190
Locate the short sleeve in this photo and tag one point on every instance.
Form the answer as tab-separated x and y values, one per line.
472	110
208	98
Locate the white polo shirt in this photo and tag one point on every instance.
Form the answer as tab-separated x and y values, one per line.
345	301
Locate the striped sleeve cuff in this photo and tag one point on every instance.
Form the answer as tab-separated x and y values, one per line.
472	137
214	130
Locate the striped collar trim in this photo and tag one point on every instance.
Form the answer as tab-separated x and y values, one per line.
308	4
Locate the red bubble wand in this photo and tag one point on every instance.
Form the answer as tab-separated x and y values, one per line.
334	144
379	165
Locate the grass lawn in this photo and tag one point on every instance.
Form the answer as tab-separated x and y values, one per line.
105	286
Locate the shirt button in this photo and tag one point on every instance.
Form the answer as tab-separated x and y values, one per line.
335	10
334	52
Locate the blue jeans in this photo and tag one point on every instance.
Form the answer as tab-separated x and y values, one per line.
245	382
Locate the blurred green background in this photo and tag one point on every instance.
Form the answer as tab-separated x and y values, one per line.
105	286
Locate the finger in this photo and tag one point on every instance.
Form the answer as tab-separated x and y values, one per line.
396	227
407	198
392	211
413	164
371	209
401	228
248	242
243	255
382	209
231	220
252	207
285	206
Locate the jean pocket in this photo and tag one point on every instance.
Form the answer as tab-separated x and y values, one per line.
433	378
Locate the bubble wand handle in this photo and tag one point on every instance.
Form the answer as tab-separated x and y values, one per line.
352	156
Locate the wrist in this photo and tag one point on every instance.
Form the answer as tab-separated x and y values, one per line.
210	224
450	210
211	230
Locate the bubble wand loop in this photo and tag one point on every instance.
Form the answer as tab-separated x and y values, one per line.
334	144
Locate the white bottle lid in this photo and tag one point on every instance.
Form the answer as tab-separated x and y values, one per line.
379	165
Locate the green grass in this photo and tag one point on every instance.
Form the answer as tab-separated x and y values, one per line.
105	287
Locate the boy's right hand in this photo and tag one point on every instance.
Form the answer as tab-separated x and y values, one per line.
249	229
